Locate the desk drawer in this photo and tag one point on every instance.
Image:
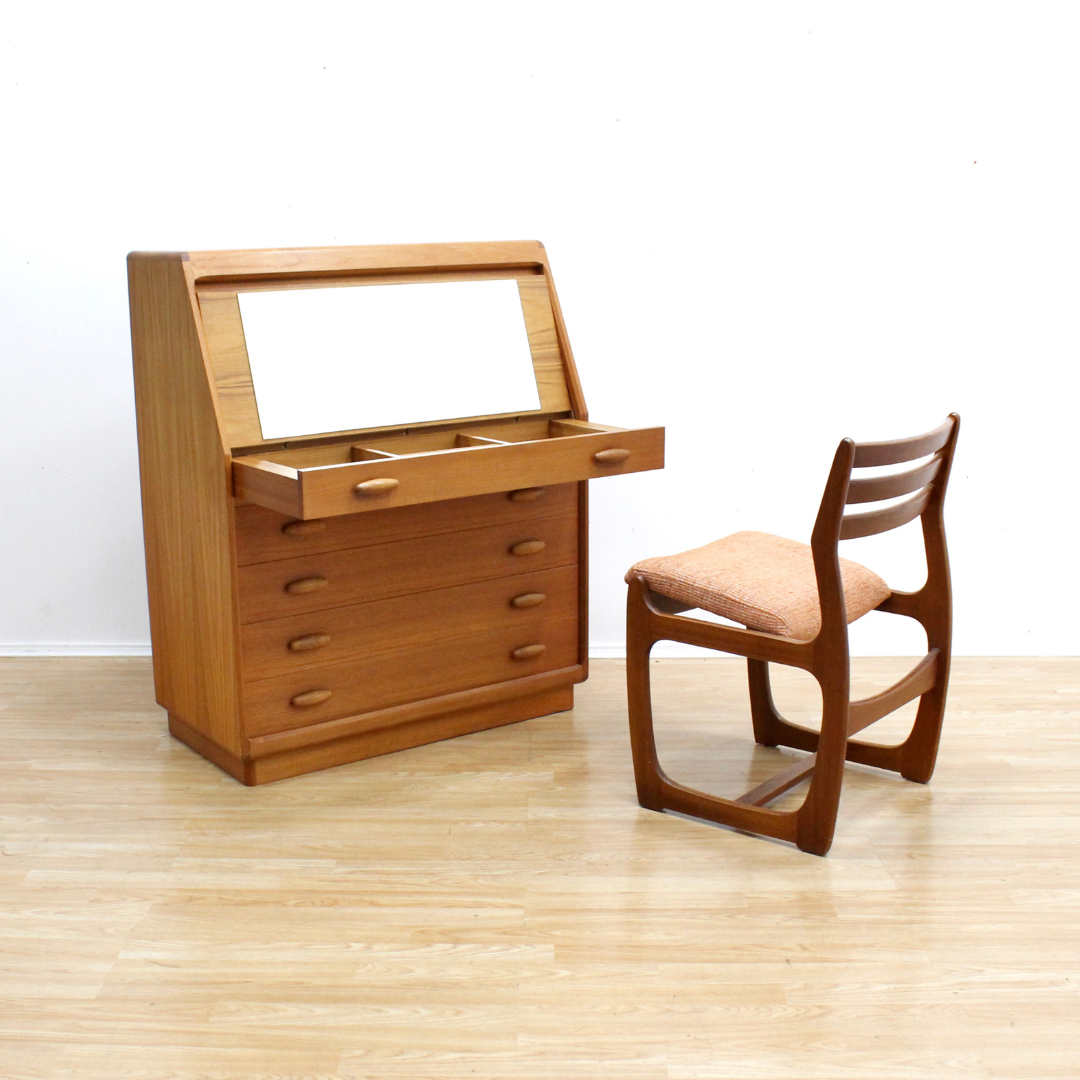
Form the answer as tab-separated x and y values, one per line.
393	678
359	575
317	639
410	469
263	535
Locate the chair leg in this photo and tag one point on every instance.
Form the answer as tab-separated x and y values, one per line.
914	758
817	815
655	790
770	728
639	644
918	754
767	720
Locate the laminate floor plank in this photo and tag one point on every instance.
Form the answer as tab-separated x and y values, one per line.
499	906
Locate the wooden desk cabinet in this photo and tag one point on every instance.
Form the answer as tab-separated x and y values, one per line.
337	596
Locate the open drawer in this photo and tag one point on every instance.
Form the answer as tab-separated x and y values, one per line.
471	459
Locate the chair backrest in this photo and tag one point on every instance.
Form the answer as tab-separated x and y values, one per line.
925	483
927	480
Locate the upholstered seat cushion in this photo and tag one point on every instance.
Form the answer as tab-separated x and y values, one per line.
762	581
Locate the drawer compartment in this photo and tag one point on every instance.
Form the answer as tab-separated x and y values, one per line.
263	535
320	638
359	575
402	470
392	678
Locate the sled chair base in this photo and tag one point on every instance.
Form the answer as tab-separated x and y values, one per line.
661	588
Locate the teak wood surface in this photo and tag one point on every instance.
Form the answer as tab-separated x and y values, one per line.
375	681
263	535
333	635
500	907
187	514
241	530
410	566
449	473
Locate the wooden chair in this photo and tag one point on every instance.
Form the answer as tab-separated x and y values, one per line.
796	602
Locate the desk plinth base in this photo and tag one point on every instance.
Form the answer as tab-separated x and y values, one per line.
374	734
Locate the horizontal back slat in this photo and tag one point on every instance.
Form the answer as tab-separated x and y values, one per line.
853	526
896	451
874	488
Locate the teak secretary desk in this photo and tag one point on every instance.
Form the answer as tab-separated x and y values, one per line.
320	596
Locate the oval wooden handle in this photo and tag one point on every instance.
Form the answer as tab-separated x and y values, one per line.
379	486
311	697
302	528
527	494
529	599
306	585
527	652
528	547
610	457
309	642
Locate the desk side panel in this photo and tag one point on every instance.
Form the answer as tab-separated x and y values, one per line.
570	372
184	470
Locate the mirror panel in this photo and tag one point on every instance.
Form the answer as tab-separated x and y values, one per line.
369	356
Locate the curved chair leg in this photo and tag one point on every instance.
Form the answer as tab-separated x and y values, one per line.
918	753
817	815
639	644
914	758
770	728
767	720
655	790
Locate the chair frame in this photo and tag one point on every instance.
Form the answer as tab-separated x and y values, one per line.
652	617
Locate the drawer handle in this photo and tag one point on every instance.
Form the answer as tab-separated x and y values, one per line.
379	486
302	528
528	547
309	698
610	457
527	652
305	585
309	642
529	599
527	494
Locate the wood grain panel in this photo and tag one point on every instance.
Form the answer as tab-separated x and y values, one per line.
184	471
360	575
232	373
544	344
382	680
259	535
402	621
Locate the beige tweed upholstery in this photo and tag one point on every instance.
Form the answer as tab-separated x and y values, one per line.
762	581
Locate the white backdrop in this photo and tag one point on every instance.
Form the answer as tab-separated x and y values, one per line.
771	225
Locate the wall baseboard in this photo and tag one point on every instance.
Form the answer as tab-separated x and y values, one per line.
598	652
73	649
673	650
662	650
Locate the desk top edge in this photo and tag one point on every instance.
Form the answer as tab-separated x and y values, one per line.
386	257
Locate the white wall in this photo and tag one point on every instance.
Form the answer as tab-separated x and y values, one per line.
772	225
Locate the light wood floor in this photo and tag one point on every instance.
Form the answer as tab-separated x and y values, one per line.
499	907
